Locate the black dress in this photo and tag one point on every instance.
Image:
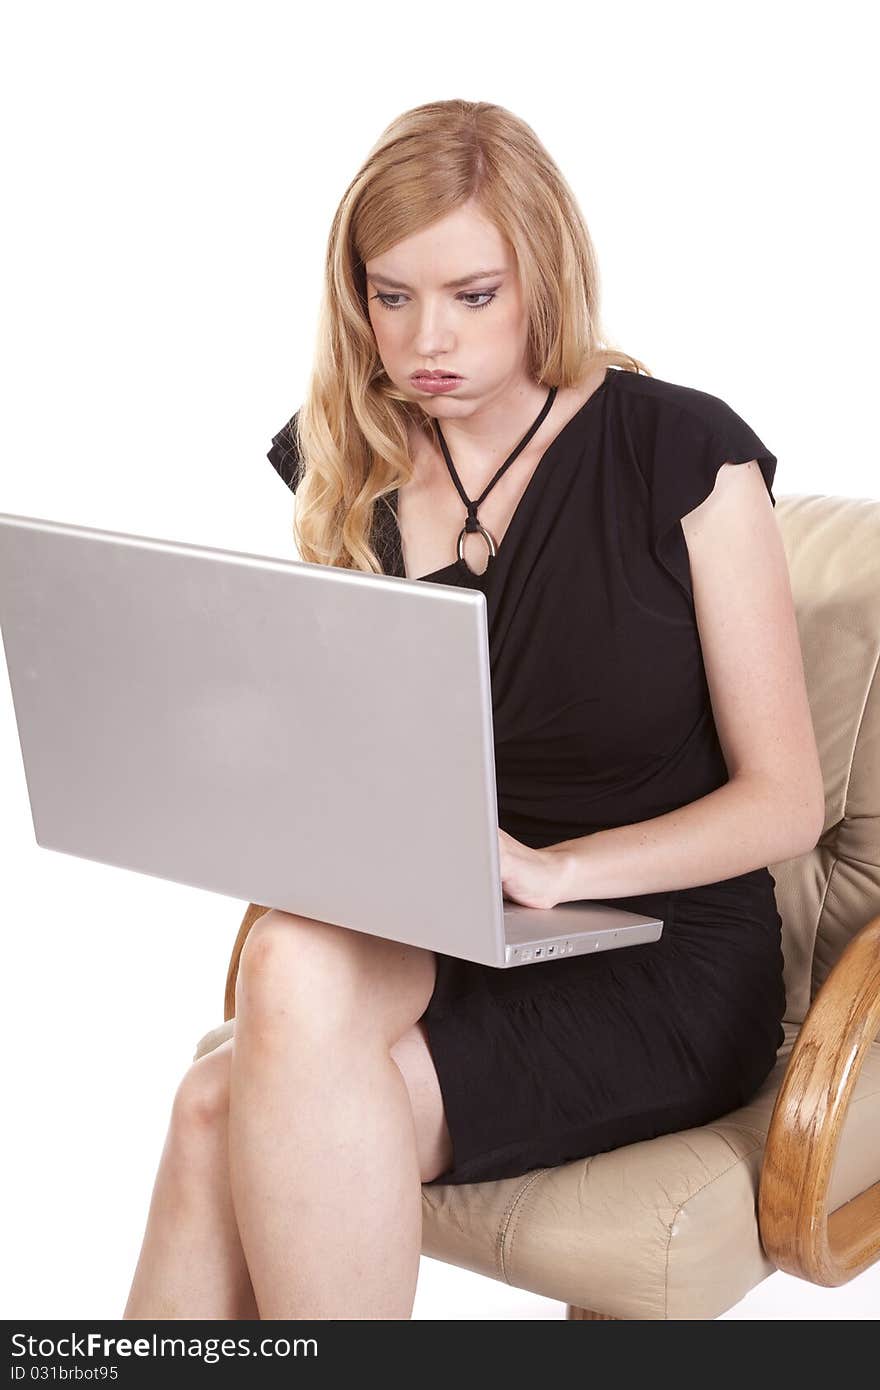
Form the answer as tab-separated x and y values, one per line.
602	718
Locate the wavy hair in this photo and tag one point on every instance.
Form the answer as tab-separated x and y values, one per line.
350	435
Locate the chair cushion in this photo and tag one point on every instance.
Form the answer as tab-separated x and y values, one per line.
665	1228
827	895
214	1038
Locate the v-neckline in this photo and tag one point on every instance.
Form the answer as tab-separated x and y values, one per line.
460	565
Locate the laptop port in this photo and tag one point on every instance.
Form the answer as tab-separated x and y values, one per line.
550	950
538	950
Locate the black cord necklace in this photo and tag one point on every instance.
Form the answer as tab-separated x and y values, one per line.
472	524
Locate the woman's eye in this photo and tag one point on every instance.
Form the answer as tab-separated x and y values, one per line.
486	295
479	294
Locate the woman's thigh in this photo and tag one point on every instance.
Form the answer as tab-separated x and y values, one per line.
338	977
203	1097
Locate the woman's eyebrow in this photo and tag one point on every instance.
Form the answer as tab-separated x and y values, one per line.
450	284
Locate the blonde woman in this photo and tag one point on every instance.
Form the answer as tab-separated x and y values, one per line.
654	749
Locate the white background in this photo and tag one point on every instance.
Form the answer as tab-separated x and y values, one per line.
170	172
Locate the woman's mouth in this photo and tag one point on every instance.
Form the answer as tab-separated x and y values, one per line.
435	384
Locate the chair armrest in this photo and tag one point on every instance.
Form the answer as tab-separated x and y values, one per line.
797	1231
253	912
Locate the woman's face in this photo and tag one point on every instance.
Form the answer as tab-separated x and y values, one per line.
423	319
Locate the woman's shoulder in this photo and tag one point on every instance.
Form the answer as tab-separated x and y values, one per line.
672	423
657	397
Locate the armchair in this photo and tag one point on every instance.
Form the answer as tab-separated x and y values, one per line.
684	1225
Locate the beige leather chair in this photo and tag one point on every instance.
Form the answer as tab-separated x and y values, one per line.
684	1225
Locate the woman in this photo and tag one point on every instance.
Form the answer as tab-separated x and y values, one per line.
654	749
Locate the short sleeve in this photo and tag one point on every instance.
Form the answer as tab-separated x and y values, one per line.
284	454
693	433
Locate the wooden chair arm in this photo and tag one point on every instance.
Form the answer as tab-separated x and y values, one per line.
797	1231
253	912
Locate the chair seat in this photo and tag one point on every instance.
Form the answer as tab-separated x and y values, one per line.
665	1228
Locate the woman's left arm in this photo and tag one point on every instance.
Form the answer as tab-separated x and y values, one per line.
773	806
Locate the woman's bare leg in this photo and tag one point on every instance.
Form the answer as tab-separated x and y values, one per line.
323	1158
191	1263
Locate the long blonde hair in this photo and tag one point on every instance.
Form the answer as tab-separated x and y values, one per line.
351	432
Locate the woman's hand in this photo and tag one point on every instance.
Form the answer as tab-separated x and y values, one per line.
530	877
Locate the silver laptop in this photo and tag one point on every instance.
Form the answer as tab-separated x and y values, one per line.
301	736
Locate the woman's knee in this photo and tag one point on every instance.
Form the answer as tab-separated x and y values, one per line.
295	964
202	1098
